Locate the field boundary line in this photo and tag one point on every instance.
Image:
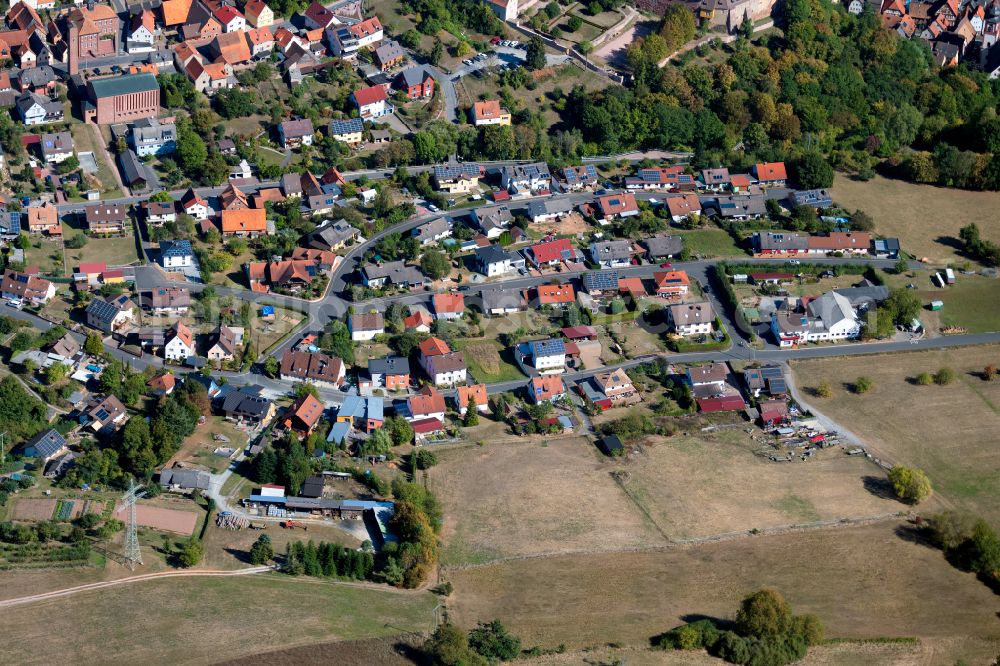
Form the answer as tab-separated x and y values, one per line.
712	538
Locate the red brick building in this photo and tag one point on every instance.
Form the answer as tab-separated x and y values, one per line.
122	99
91	31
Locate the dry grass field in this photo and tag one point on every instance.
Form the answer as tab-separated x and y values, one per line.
203	620
864	582
701	486
949	431
506	500
226	549
925	218
486	360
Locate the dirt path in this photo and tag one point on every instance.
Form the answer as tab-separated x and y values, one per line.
55	594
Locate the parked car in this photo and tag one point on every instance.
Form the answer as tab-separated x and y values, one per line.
666	264
467	62
494	41
794	262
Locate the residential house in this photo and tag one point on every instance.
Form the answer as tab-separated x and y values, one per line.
28	288
613	206
105	415
740	206
44	219
158	213
691	318
176	255
167	300
258	14
415	83
714	376
133	171
103	218
395	273
66	346
230	18
428	403
507	10
493	260
493	220
365	413
779	243
601	284
112	314
195	206
315	367
179	344
346	40
770	174
389	54
715	180
672	284
288	275
248	223
303	414
552	253
420	321
547	210
661	178
476	394
332	235
579	177
324	260
246	405
391	373
546	389
548	357
183	480
813	198
33	109
233	198
617	387
828	318
431	232
555	295
56	148
886	248
498	302
222	344
526	178
209	77
841	241
371	102
663	247
261	42
295	133
489	113
349	131
149	136
613	254
457	178
141	35
366	326
44	446
683	207
448	306
443	366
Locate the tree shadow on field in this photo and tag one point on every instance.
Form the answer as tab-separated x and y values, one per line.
952	242
915	535
241	555
879	486
411	652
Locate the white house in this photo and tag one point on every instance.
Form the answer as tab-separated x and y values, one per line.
230	18
240	171
180	343
366	326
827	318
493	260
548	357
176	255
34	109
346	40
295	133
57	147
141	37
691	318
371	102
195	206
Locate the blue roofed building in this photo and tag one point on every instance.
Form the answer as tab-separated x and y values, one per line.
364	412
580	177
601	283
548	357
886	248
176	255
338	433
349	131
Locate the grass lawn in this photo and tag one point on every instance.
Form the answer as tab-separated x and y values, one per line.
199	446
199	620
863	582
84	141
489	361
948	431
264	334
48	256
710	243
586	33
925	218
114	251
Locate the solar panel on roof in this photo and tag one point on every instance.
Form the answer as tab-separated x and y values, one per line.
102	414
777	385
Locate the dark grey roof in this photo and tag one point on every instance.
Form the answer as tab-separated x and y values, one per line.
549	347
397	272
312	487
334	233
246	401
601	281
549	207
454	171
46	443
414	76
347	126
664	246
103	310
390	365
133	170
503	298
390	50
491	254
37	76
180	248
184	478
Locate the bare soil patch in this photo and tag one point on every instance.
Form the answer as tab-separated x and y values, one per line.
571	225
34	509
160	518
505	500
948	431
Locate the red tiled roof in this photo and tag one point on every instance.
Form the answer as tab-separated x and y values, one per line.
770	171
550	294
371	95
449	303
433	347
425	426
551	251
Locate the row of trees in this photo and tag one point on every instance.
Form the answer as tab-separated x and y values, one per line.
488	643
969	543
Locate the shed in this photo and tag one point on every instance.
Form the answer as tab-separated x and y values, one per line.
610	445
